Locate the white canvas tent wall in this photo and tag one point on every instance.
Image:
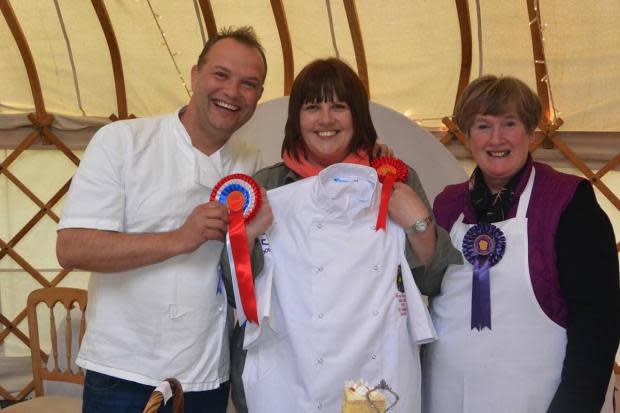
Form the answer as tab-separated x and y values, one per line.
412	53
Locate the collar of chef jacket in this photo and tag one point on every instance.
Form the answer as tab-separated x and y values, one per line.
346	191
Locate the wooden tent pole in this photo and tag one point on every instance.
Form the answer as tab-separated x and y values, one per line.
285	41
115	55
209	17
540	68
24	50
462	9
358	42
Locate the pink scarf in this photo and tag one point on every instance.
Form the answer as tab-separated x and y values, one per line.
305	169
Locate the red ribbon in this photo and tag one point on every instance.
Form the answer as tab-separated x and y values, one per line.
386	192
241	255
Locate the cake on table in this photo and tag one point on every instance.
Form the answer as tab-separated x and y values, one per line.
354	398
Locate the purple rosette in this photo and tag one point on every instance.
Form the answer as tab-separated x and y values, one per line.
483	247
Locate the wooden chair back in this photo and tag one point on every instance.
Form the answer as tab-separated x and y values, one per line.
152	406
69	298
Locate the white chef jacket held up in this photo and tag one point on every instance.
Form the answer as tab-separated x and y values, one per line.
166	319
328	301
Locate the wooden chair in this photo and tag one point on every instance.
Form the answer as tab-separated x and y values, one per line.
157	397
69	298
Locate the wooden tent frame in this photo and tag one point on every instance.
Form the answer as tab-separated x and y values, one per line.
547	136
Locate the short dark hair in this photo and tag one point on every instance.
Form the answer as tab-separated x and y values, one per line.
493	95
243	34
321	81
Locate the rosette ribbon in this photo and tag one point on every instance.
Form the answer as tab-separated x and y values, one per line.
483	247
389	171
241	194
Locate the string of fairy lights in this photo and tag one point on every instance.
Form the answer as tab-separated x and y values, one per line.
157	18
554	113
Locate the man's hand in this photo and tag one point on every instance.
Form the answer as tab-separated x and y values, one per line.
206	222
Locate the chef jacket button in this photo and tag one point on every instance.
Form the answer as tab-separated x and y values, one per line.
320	315
320	360
319	225
220	309
375	313
320	268
373	356
319	406
375	267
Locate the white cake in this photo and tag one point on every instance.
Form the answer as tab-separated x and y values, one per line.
354	398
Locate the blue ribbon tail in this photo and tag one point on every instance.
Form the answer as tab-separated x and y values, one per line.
481	295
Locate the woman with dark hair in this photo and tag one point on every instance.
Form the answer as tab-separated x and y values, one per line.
530	321
344	302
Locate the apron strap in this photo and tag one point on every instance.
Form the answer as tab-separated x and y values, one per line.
459	220
524	201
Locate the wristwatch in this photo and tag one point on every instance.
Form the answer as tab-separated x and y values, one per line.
420	225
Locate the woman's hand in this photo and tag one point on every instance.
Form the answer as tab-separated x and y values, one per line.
381	149
262	221
405	206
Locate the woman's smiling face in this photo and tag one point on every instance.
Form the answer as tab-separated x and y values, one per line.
500	146
327	131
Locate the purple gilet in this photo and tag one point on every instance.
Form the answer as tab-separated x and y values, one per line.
551	194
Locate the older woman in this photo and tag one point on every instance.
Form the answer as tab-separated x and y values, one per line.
329	123
529	322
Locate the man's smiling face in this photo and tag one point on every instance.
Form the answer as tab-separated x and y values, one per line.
227	87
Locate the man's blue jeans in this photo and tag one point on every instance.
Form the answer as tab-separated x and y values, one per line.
107	394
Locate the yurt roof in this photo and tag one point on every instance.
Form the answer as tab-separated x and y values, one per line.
412	52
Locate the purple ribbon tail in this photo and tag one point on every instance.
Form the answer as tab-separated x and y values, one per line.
481	295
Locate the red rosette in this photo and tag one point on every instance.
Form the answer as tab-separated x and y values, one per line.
238	185
241	194
386	165
389	170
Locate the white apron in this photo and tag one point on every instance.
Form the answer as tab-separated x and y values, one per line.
513	368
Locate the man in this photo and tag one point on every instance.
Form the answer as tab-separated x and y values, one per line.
138	216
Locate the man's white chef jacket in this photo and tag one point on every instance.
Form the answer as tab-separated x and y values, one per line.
166	319
329	303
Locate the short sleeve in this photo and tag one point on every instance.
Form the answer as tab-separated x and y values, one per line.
96	198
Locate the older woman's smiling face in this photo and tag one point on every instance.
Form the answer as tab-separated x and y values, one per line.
500	146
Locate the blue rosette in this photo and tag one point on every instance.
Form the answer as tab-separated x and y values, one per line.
483	247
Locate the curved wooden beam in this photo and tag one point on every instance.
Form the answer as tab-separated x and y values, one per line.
613	163
462	9
207	14
358	42
24	50
540	65
285	41
115	55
